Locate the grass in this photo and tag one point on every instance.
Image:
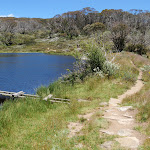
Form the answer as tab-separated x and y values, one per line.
60	47
31	124
94	88
37	124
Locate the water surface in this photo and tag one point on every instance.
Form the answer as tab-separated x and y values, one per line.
27	71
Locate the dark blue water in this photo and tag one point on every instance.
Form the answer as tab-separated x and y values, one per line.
28	71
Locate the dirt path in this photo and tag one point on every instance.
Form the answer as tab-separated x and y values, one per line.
122	120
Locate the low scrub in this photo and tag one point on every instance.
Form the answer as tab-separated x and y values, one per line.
96	64
137	48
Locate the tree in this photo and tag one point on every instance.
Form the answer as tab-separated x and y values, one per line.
119	34
95	27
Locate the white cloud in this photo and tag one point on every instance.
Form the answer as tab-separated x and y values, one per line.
10	15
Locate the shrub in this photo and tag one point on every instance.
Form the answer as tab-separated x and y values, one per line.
96	63
110	68
119	34
6	38
137	48
96	57
95	27
20	39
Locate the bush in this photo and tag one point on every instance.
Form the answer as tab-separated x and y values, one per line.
6	38
96	63
110	68
119	34
20	39
96	57
138	48
95	27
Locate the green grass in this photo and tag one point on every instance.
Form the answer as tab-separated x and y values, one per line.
36	124
60	47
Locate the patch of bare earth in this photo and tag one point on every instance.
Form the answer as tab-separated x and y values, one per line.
76	127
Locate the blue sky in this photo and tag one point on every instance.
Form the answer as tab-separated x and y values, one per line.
49	8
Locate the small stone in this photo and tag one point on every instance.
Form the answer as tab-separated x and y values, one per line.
128	142
79	145
114	102
127	116
125	108
103	104
125	121
124	132
114	114
107	145
107	132
112	117
83	100
109	110
66	50
48	97
84	58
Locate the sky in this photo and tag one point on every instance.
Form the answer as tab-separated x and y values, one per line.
50	8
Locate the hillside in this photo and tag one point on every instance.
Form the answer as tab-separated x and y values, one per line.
115	29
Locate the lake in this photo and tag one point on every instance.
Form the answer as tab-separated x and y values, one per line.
28	71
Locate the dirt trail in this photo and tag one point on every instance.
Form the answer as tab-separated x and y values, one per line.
122	119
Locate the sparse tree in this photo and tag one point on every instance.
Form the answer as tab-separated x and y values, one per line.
119	34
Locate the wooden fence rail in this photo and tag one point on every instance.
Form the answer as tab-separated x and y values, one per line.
50	97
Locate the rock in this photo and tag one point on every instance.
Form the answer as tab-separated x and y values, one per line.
51	50
114	102
83	100
84	58
125	121
103	104
86	116
66	50
54	39
128	142
127	116
114	114
48	97
112	117
109	110
79	145
107	145
125	108
124	132
107	132
79	49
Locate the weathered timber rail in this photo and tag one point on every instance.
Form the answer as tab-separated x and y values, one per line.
56	100
20	94
50	97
